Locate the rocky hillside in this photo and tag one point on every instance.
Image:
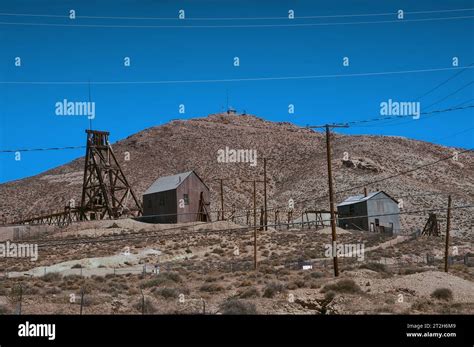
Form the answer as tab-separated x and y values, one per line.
297	168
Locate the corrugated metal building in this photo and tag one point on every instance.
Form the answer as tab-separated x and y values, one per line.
179	198
378	212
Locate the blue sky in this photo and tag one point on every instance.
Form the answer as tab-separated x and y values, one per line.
66	53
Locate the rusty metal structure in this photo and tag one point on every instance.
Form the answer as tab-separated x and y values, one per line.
105	190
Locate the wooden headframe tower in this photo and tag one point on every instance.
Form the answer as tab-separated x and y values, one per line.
105	191
432	226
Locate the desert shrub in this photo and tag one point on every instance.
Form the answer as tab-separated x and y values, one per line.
421	305
89	300
52	276
245	283
219	251
237	307
98	278
163	278
52	290
378	267
251	292
342	286
73	278
315	284
211	287
316	274
4	309
265	269
147	304
442	294
273	288
167	293
410	271
298	283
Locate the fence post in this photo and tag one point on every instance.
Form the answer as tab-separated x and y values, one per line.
143	302
21	299
82	298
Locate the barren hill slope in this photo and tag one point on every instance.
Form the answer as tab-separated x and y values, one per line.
297	169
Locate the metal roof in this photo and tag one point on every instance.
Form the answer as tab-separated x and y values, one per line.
358	198
165	183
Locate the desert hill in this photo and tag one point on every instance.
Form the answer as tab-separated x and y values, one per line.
297	169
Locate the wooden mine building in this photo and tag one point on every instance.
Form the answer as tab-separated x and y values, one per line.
374	212
179	198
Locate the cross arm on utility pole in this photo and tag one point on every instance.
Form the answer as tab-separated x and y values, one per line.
335	125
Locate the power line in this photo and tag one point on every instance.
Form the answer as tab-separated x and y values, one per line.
381	73
451	94
422	96
78	16
231	26
392	122
407	116
40	149
443	83
454	134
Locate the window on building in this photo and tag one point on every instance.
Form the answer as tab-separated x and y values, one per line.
149	203
186	199
161	202
351	210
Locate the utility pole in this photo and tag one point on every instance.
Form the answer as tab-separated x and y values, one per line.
254	221
222	196
448	226
265	193
331	189
265	216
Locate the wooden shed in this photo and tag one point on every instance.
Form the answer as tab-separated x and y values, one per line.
375	212
179	198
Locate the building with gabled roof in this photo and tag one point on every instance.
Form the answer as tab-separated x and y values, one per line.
375	212
179	198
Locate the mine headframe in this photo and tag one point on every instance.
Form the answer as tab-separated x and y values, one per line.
432	227
106	192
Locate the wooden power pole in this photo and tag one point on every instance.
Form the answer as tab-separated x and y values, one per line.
331	189
265	193
222	196
265	216
254	221
448	226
